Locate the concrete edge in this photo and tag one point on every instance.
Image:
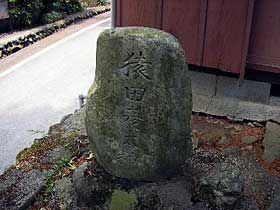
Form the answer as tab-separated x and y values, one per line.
235	109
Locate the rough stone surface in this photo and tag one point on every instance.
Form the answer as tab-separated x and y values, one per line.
275	201
232	150
93	189
251	111
249	139
201	103
245	90
203	84
172	194
224	183
235	109
229	181
139	107
274	101
56	155
24	187
222	106
224	140
271	142
65	191
272	113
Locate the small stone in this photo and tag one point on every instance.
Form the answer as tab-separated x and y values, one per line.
92	186
64	190
224	140
238	128
232	150
229	126
257	124
271	142
194	142
223	185
249	139
141	102
249	147
251	125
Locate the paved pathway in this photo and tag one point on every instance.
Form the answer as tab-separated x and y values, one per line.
38	92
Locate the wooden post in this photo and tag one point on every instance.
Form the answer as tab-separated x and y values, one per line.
249	21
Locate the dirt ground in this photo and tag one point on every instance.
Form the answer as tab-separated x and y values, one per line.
219	133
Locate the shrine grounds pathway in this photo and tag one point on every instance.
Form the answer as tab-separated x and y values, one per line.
41	83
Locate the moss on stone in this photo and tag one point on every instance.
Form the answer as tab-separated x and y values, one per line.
122	200
143	32
27	151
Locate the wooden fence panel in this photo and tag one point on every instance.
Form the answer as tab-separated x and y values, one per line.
214	33
185	19
139	13
226	32
265	39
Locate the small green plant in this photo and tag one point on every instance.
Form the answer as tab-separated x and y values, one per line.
52	17
57	171
24	13
74	133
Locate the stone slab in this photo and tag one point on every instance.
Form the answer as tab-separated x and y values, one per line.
272	113
271	142
244	90
201	103
203	84
274	101
235	109
222	106
18	190
249	139
251	111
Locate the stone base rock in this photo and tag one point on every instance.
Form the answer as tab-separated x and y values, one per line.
213	180
19	188
170	194
226	181
271	142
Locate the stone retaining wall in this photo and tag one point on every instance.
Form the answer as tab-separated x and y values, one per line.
19	43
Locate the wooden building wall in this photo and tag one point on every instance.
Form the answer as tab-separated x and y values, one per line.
223	34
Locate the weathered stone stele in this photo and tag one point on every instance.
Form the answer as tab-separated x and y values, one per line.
138	109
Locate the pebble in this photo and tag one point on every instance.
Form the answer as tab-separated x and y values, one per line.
249	147
249	139
224	140
238	128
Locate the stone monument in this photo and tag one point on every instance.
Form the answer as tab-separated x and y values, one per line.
138	109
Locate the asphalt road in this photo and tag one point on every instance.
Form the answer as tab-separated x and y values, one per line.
38	92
